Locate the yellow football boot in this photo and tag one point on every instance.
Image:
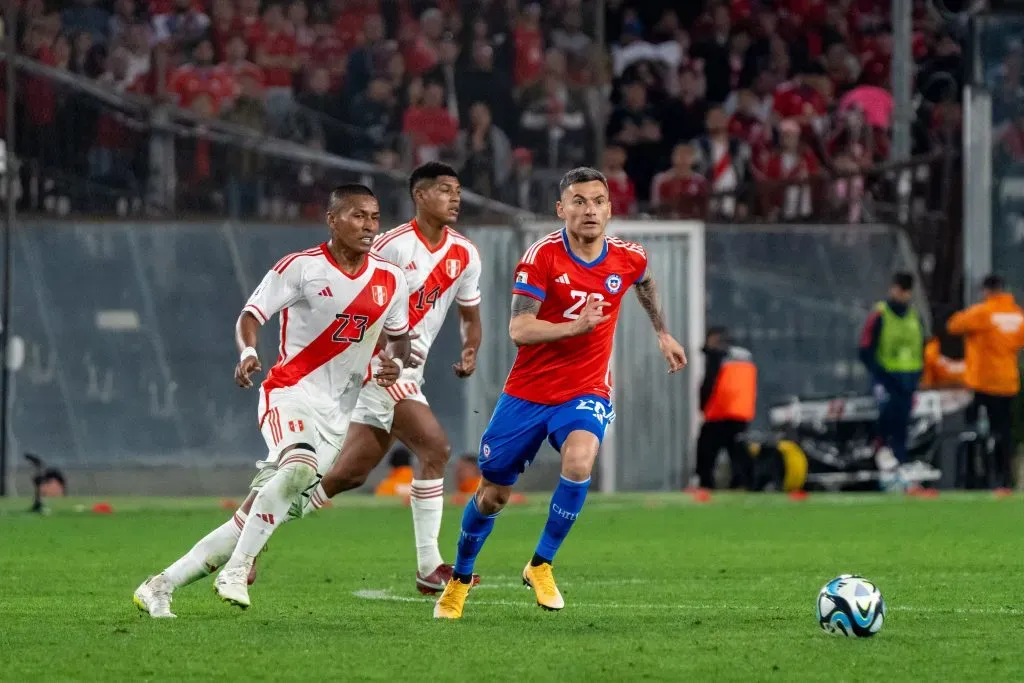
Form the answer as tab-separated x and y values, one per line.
542	581
452	600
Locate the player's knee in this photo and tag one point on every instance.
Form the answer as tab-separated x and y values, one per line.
577	462
491	498
297	469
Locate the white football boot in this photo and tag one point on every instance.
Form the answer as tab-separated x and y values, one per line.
154	597
232	586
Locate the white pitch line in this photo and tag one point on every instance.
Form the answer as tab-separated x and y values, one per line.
387	595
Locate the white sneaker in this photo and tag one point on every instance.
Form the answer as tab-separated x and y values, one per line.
154	597
232	587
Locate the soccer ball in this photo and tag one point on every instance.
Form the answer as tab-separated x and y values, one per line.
851	606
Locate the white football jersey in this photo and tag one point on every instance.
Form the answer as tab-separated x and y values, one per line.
437	277
330	322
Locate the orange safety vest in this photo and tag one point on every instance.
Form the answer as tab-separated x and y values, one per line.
941	372
735	393
397	483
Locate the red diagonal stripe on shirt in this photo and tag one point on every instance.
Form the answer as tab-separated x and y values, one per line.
324	348
438	278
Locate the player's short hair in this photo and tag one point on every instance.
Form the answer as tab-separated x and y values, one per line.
717	330
583	174
400	456
904	281
343	192
429	173
993	283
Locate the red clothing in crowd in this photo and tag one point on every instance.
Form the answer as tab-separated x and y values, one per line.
430	126
529	59
251	28
1012	141
280	44
349	24
330	51
785	166
795	100
420	56
188	82
682	194
111	133
37	94
621	193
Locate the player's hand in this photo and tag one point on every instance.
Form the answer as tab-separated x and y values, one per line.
416	358
388	372
244	369
673	352
467	365
591	316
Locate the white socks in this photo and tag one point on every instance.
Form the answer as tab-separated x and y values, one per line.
427	502
207	555
269	510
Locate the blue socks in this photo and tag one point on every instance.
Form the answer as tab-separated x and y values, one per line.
476	527
566	504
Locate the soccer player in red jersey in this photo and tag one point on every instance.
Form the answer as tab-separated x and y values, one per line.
565	304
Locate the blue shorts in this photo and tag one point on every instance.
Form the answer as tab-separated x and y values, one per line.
518	428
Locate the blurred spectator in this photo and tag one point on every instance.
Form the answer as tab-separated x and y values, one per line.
570	38
236	65
444	74
621	189
524	189
248	21
245	167
481	82
636	126
123	17
1006	80
680	192
277	54
748	124
298	25
553	123
398	481
374	119
136	43
223	27
83	15
717	55
529	46
724	161
802	100
183	26
370	59
685	114
327	107
194	163
484	153
422	48
430	126
201	78
38	134
1010	139
792	162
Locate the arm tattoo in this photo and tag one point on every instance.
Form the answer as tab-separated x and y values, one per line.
524	304
647	294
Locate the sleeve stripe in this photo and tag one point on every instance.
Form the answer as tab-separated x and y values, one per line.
641	278
397	330
255	310
529	290
468	302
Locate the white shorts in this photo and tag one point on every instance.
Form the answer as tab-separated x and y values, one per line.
376	404
286	424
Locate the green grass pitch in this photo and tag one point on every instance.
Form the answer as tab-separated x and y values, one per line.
657	588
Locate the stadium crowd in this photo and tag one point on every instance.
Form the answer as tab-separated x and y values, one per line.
689	105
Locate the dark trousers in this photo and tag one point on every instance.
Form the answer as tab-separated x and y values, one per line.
1000	419
893	422
714	436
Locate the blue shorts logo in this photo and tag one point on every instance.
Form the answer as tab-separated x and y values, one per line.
487	451
613	284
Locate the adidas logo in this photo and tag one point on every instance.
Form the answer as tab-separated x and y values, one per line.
326	291
411	266
562	279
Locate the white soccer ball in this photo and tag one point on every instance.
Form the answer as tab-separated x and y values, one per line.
851	606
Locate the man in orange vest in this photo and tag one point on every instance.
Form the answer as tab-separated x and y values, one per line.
727	398
993	333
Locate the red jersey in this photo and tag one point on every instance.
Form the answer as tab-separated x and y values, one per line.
557	372
278	45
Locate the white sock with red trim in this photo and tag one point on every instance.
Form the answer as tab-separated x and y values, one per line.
427	502
296	471
208	554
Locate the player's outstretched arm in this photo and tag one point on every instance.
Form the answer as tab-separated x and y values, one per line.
525	328
647	294
247	333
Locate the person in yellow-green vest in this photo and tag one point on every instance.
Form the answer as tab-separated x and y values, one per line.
892	349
